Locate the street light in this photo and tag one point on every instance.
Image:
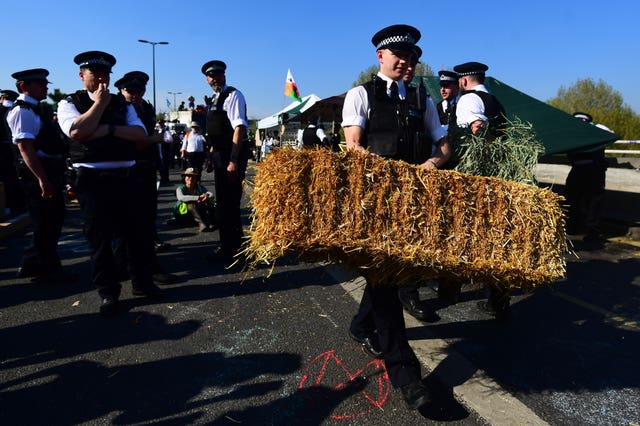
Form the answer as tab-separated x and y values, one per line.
174	98
153	48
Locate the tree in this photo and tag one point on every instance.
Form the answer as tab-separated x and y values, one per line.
57	96
422	69
604	103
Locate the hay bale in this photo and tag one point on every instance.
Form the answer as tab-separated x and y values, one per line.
403	222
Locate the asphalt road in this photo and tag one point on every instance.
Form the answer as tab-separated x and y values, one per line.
223	348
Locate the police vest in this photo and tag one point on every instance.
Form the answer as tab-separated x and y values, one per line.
147	115
448	116
5	130
310	139
49	139
219	129
493	110
106	148
396	128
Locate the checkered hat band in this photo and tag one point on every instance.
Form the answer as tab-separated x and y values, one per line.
396	39
470	73
96	61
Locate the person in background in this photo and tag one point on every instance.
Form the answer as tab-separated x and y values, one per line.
193	148
408	294
166	151
195	203
132	87
8	154
482	114
585	188
449	91
42	174
227	136
313	136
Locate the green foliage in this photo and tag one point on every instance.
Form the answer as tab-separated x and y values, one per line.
512	156
422	69
365	75
604	103
57	96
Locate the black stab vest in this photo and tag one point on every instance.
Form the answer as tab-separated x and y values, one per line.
493	110
310	139
49	139
219	129
107	148
5	130
448	116
396	128
147	115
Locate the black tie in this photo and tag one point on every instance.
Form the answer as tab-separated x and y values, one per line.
394	91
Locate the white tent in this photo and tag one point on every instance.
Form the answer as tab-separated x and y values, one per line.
292	110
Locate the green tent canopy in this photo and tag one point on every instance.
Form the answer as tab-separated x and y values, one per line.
558	131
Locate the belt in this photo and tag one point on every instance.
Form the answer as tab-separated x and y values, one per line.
120	172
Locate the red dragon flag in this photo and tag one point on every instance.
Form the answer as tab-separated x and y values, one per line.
290	88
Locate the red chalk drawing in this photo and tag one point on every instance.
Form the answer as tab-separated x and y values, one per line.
328	370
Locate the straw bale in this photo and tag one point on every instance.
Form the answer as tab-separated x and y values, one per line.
399	223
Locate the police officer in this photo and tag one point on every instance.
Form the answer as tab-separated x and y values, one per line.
477	109
449	92
105	132
8	175
227	137
380	116
41	172
132	87
408	293
481	113
313	136
585	188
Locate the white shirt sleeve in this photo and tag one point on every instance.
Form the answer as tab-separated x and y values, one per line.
235	106
67	113
355	111
24	123
432	121
470	108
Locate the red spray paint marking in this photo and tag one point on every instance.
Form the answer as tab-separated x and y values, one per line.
329	359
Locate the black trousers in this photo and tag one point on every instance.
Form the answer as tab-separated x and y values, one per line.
380	309
584	191
47	217
111	209
143	180
195	160
228	198
167	159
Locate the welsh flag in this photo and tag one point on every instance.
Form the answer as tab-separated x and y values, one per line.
290	88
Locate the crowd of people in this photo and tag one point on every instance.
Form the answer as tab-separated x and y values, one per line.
117	148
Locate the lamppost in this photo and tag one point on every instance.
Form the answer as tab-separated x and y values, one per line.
153	48
174	99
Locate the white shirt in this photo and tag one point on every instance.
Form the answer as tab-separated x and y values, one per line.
67	113
356	109
470	107
23	122
167	137
194	143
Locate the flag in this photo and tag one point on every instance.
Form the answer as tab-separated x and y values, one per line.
290	88
168	103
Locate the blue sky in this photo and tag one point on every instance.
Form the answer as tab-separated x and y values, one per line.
536	47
